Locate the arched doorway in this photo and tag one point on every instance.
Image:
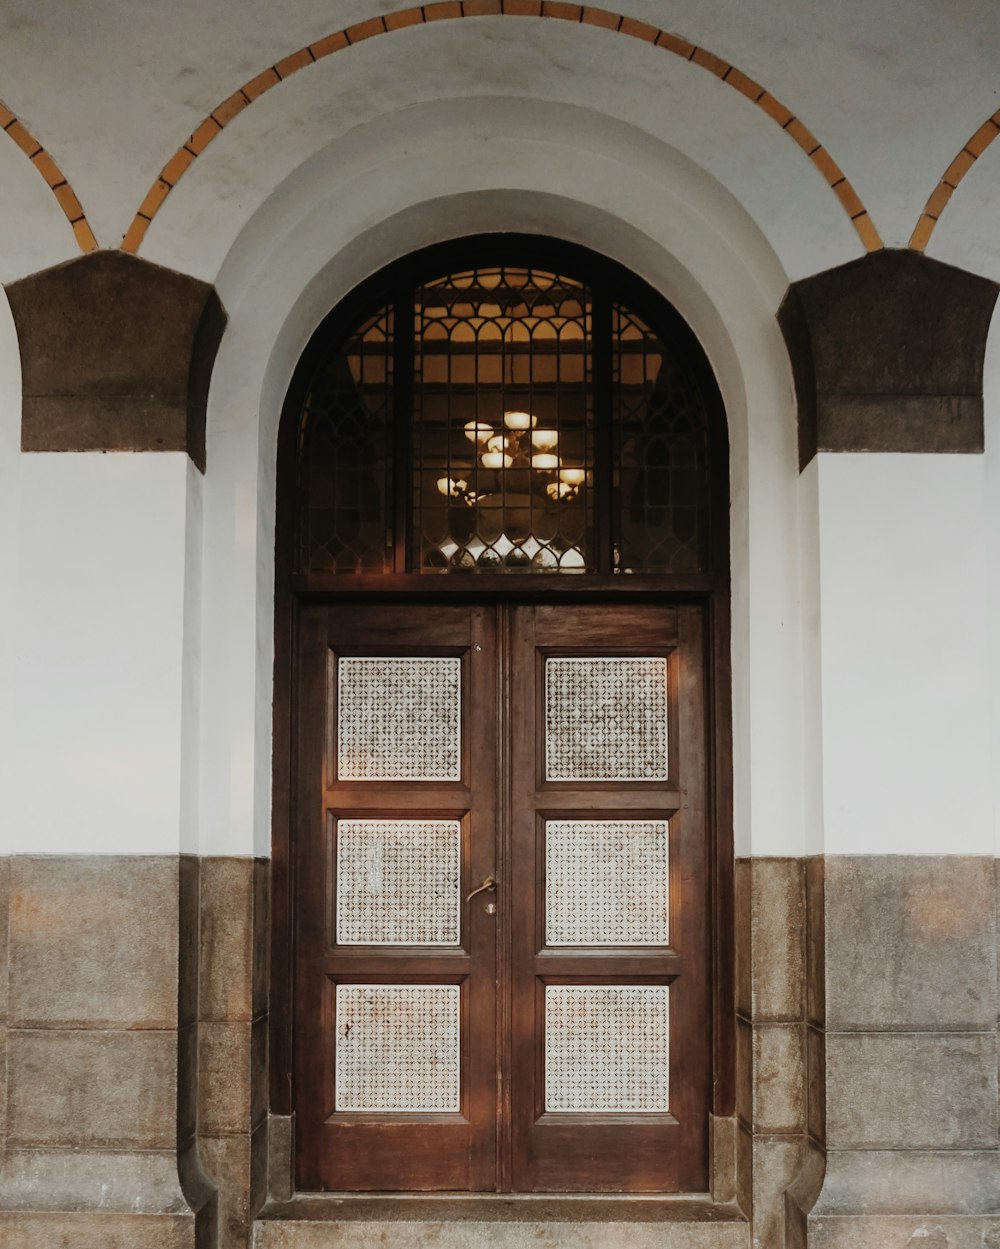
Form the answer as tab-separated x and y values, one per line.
502	765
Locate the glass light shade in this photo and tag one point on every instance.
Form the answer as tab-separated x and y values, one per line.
497	443
573	476
544	460
445	485
544	439
518	420
497	459
478	431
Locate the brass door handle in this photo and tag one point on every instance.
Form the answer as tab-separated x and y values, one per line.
488	885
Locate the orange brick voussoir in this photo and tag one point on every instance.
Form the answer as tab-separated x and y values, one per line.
601	19
52	176
971	151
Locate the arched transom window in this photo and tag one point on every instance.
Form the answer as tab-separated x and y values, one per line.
506	417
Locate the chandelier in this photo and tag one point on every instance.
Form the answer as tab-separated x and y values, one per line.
520	445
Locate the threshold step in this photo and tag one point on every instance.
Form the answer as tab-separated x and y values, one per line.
500	1222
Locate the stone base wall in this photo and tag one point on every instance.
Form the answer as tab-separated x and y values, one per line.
913	1153
133	1036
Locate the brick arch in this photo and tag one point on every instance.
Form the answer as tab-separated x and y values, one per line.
55	180
952	176
443	10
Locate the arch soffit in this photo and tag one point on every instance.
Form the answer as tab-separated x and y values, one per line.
450	10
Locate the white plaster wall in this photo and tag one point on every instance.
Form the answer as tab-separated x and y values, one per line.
99	654
991	406
906	654
346	221
10	458
811	634
611	83
113	89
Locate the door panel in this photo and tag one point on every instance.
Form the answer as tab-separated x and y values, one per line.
611	1041
395	1038
553	1033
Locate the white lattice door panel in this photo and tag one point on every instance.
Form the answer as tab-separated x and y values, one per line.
607	1049
606	718
397	1048
399	718
399	882
607	882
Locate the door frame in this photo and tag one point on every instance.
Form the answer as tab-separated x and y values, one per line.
711	591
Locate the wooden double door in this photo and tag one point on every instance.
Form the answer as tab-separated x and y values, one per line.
501	877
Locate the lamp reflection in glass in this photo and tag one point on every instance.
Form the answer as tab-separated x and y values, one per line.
523	446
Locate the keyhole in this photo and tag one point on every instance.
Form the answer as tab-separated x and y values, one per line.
491	908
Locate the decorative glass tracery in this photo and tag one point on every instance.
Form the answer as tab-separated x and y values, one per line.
507	418
345	456
503	423
661	454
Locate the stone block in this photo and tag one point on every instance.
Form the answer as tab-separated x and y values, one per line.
888	1182
910	943
742	935
911	1231
779	1078
224	1078
778	926
23	1230
189	939
92	1089
261	935
227	898
816	940
744	1169
93	941
5	862
140	1182
258	1070
499	1233
911	1091
226	1160
258	1166
187	1083
279	1157
723	1148
816	1084
776	1162
744	1071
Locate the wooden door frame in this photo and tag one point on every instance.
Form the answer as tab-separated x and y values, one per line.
710	591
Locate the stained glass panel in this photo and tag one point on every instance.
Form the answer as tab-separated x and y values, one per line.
503	423
344	457
660	492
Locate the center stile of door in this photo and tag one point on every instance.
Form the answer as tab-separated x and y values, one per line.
503	945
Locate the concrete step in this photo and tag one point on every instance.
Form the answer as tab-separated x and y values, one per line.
500	1222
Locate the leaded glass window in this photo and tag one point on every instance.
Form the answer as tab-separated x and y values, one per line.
507	417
